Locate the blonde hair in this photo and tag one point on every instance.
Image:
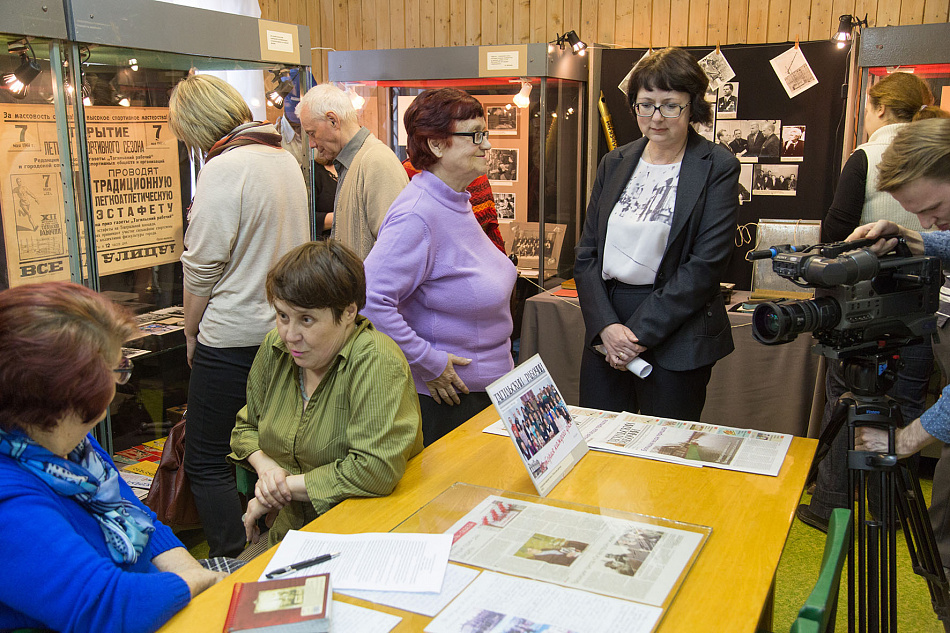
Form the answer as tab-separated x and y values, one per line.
920	150
203	109
902	94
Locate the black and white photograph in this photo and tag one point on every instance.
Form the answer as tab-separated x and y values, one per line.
502	120
751	139
793	71
717	68
745	183
774	180
793	143
727	103
503	164
505	205
706	131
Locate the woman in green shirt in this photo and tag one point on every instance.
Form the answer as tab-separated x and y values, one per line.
332	410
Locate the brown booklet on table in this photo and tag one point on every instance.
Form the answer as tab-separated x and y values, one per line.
281	606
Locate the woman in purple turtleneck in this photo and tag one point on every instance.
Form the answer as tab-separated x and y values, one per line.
434	282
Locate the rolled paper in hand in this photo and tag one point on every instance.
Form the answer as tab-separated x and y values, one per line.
639	367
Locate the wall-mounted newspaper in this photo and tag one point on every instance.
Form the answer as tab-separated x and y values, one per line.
637	558
538	422
679	441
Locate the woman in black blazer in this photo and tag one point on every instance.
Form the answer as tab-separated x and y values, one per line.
657	238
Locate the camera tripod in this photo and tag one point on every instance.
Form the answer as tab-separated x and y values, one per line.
897	490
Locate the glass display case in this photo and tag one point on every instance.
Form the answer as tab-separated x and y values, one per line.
94	187
534	97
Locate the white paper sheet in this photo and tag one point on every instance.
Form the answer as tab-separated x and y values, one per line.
353	619
456	579
495	603
370	561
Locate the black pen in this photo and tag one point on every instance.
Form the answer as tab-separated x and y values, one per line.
301	565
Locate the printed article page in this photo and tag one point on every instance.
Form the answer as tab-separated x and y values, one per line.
616	557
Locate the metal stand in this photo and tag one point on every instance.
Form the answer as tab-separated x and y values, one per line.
889	481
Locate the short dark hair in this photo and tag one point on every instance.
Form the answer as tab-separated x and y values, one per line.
673	69
59	342
432	116
319	275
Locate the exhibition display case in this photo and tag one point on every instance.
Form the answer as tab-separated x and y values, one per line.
534	97
95	188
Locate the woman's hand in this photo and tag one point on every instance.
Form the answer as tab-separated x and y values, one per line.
256	510
191	342
621	345
886	227
272	489
179	562
443	388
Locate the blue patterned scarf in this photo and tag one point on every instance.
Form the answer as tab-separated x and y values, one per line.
93	482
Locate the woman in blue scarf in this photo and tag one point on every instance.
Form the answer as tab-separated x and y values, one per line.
79	551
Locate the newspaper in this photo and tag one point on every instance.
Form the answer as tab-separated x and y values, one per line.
679	441
636	561
538	422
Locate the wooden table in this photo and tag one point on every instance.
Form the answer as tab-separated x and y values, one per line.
726	589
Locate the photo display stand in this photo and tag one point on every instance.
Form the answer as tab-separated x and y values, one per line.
765	283
623	555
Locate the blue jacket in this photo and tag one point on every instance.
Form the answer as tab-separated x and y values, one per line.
57	572
936	419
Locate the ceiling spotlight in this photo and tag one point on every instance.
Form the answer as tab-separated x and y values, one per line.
275	98
571	39
522	99
123	101
18	82
846	26
134	64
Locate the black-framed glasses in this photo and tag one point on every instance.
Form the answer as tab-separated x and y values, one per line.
667	110
124	371
477	137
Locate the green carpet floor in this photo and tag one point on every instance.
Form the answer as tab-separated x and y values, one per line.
798	570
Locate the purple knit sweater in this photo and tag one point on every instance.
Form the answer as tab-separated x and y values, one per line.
436	284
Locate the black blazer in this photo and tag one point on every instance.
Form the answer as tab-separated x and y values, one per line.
684	321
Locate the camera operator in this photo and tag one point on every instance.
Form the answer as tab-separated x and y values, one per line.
915	170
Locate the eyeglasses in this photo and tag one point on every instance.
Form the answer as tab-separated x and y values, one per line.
124	371
667	110
477	137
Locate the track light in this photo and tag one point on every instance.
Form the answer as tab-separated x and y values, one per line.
18	82
846	26
275	98
522	99
571	39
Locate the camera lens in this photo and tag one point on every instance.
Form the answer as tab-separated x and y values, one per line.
779	322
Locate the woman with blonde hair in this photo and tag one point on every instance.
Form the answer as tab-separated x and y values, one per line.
250	207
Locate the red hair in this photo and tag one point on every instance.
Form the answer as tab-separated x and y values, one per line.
58	345
432	115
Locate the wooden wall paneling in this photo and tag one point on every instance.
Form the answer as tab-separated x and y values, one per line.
327	40
572	16
506	28
660	27
383	18
779	22
556	22
799	21
354	25
539	18
642	22
717	28
888	13
936	11
427	23
413	24
442	18
679	22
588	26
369	16
607	21
269	10
738	24
758	22
397	23
912	11
521	22
490	22
457	23
623	32
473	23
317	57
288	11
865	8
820	25
340	28
699	15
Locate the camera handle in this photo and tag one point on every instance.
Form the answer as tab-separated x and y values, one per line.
899	495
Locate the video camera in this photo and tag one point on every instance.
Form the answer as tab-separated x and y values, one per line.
862	302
